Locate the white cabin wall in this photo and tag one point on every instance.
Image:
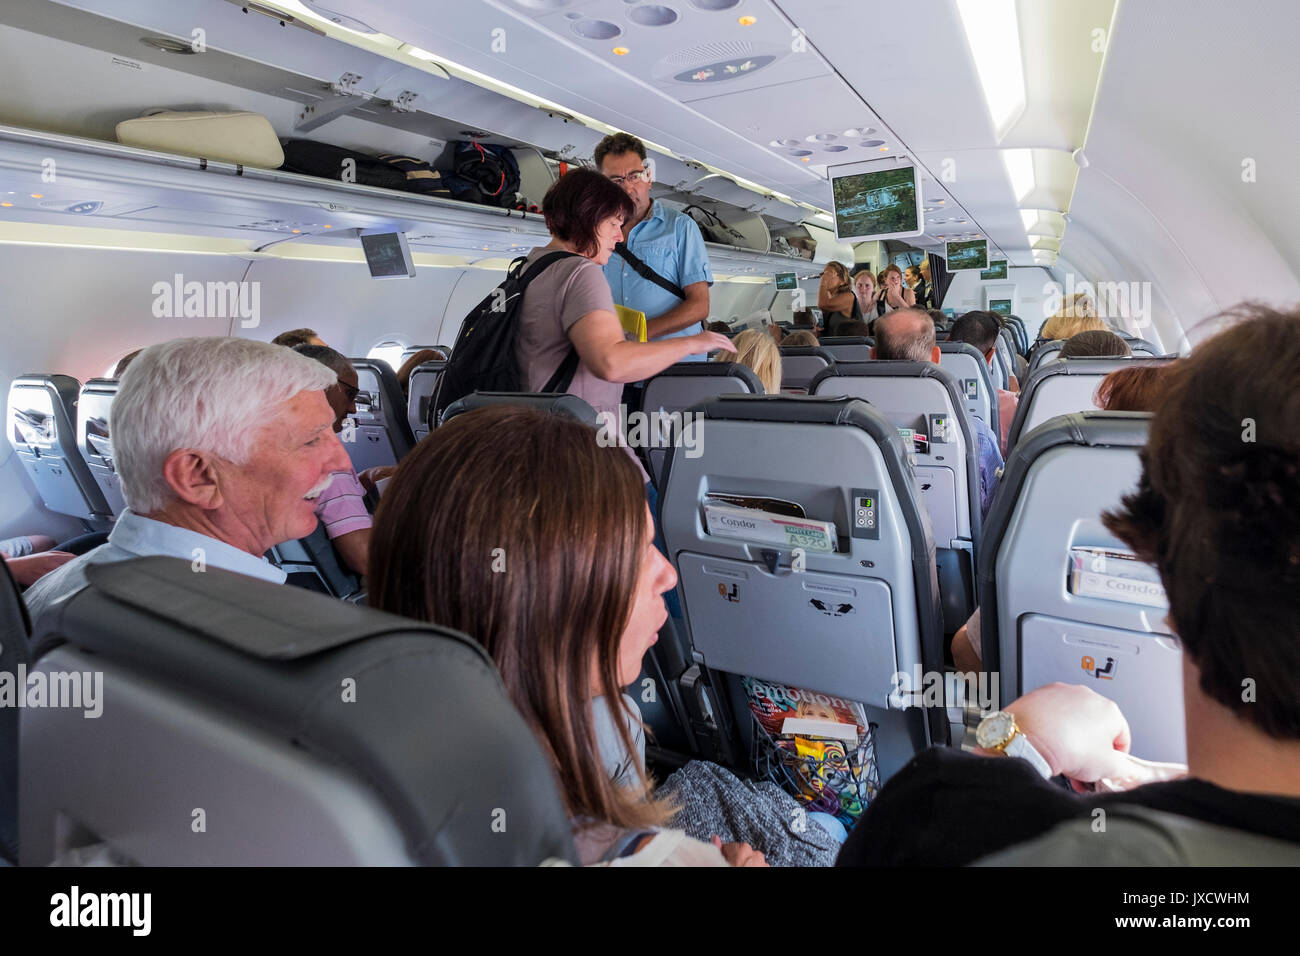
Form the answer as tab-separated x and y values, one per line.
966	293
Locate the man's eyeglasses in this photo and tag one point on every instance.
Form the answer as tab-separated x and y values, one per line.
636	176
350	391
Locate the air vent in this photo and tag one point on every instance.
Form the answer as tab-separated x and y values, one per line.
709	53
652	15
590	29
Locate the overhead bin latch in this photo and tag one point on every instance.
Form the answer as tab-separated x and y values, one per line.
345	99
405	103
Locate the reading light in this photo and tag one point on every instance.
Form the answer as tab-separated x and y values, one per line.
621	51
747	21
993	32
1020	170
38	195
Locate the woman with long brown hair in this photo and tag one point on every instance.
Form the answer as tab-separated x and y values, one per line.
538	544
836	299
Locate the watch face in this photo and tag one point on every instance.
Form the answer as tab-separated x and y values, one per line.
994	730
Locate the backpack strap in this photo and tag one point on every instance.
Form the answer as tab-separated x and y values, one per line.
647	273
563	377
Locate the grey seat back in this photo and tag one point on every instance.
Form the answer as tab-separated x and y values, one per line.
314	563
41	425
412	349
924	398
850	619
686	384
382	435
421	386
559	403
1002	362
848	348
246	723
1036	624
15	627
1043	353
800	364
93	439
1064	386
1017	326
974	380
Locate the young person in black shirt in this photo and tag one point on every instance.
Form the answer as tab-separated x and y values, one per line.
1214	512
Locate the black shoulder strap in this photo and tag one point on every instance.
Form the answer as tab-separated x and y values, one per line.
539	266
645	272
563	377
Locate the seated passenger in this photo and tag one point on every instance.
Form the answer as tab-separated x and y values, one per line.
980	330
1096	343
222	446
802	338
409	366
1210	513
1077	315
569	307
296	337
908	334
341	507
539	544
722	328
858	329
31	557
758	352
124	361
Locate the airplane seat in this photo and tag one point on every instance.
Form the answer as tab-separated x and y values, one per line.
1143	347
686	384
314	563
381	435
1004	365
411	350
244	723
1044	352
1017	326
421	387
1064	386
800	364
42	427
975	381
925	399
1039	619
15	628
93	439
842	623
848	348
559	403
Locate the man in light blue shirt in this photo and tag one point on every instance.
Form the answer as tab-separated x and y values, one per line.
222	446
667	241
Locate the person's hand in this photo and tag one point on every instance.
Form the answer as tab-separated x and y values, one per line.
712	342
739	854
373	476
27	571
1081	734
894	298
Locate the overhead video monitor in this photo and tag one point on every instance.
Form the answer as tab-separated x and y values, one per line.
387	254
786	281
967	254
1000	306
997	270
879	199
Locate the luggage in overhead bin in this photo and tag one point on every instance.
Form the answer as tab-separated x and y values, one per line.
420	176
337	162
230	136
483	173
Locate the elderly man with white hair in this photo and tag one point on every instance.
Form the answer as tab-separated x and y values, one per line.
222	446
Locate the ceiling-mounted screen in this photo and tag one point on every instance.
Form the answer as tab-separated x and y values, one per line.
880	199
387	254
967	254
1000	306
997	270
786	281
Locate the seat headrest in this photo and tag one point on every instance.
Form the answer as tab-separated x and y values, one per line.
429	726
713	370
558	403
1093	428
791	351
806	409
826	340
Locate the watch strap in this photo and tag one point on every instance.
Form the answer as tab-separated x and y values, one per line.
1019	746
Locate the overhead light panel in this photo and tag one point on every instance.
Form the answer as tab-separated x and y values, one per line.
1020	170
993	31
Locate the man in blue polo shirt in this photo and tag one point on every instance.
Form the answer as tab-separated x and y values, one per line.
667	241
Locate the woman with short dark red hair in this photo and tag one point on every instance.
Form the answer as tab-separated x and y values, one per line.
568	307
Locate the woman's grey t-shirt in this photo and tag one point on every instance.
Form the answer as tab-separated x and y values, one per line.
555	300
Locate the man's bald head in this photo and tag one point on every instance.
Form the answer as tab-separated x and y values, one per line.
905	334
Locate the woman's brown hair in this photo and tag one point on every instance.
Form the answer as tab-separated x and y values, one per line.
1215	512
578	203
516	527
1134	388
842	273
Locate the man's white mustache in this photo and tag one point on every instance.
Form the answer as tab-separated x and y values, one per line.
317	489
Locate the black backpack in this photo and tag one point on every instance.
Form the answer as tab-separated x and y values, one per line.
483	358
483	173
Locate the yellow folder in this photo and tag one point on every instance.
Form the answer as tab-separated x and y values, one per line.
632	321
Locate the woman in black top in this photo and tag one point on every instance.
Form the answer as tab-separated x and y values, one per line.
919	287
836	299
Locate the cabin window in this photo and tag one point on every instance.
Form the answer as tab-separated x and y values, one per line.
390	351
